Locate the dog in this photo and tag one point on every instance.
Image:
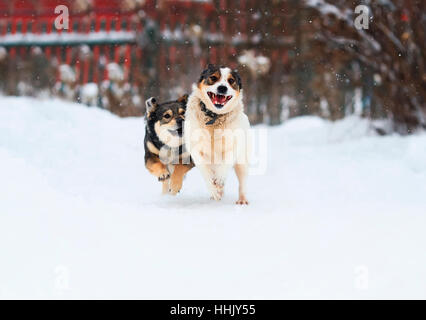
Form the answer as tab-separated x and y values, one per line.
165	153
216	129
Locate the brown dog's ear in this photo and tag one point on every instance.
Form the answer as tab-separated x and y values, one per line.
183	99
151	105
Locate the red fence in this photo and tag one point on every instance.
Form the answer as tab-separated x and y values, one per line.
160	40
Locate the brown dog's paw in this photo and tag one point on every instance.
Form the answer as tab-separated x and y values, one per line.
158	169
174	187
176	179
163	176
174	192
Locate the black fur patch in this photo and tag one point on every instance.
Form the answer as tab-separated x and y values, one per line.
237	78
208	71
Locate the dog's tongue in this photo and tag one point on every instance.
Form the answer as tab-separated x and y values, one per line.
219	99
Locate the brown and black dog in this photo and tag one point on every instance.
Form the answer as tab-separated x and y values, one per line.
165	154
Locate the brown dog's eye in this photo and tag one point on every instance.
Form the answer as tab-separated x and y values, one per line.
231	81
167	116
213	78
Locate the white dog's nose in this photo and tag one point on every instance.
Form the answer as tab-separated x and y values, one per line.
222	89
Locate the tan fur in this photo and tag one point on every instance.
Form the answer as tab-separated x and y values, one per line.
166	186
176	179
241	174
234	85
209	82
153	148
157	168
184	98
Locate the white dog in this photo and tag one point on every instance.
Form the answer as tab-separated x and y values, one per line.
216	129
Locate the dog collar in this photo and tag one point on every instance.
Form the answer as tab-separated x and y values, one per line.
214	116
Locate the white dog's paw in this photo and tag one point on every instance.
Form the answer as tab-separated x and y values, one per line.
242	200
216	195
217	189
218	183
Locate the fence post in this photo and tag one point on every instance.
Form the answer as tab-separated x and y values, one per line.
95	64
127	62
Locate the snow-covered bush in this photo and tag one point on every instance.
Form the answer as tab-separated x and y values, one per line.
258	65
67	86
89	94
115	72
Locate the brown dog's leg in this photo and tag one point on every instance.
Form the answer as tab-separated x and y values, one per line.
158	169
166	186
177	177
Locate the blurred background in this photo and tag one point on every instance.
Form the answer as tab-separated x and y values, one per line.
295	57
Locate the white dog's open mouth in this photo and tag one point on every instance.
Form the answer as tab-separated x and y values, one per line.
219	100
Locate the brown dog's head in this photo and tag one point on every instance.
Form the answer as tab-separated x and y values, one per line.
166	120
219	88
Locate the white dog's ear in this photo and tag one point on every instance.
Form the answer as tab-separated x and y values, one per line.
151	104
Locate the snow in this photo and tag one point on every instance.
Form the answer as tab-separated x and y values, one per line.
325	8
339	213
89	94
259	64
115	72
66	73
67	38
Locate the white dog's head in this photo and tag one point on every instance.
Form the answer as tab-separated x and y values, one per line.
219	88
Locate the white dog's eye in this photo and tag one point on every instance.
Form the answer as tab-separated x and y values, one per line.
231	81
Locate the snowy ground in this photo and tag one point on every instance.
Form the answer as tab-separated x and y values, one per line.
339	213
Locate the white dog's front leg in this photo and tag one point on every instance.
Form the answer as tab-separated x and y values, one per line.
214	183
241	171
218	178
